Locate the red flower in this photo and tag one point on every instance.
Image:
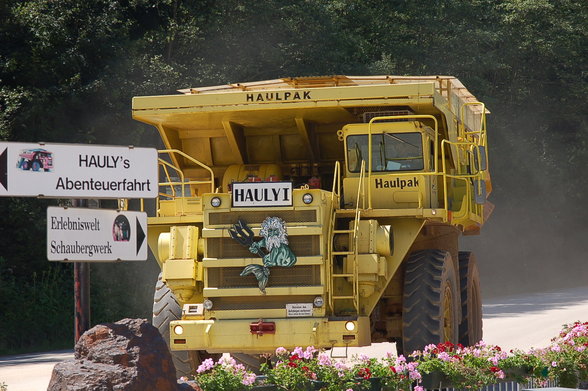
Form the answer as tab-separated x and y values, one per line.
294	357
305	369
366	373
392	368
292	364
494	369
456	356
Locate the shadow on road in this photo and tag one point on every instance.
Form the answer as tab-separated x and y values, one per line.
35	358
536	302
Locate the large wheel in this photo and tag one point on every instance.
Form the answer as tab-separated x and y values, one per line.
165	309
470	326
430	307
36	165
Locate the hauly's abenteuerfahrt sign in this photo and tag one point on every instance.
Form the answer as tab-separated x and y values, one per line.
77	171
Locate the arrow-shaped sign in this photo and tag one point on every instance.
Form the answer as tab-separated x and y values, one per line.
140	235
4	168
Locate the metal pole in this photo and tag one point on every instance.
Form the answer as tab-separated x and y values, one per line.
81	291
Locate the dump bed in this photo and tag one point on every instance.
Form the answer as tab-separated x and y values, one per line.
294	120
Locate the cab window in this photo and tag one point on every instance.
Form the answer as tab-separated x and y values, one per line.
390	152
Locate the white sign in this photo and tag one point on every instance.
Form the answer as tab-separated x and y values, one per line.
249	194
77	171
81	234
298	310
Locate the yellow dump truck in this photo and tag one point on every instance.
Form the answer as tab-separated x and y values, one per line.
321	211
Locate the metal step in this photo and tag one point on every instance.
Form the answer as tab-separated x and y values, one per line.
343	253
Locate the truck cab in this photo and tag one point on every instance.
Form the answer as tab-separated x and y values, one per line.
402	168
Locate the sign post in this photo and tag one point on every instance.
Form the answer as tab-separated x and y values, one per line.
81	291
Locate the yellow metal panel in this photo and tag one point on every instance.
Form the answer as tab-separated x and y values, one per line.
276	98
180	269
235	335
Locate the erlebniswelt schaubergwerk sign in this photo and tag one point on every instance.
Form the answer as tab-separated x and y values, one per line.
77	171
96	235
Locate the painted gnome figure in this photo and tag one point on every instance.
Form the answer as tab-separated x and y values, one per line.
274	240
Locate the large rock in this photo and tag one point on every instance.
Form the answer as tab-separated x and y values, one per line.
127	355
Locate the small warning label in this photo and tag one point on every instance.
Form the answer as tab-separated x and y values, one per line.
298	310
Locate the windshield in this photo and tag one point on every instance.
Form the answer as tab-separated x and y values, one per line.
390	152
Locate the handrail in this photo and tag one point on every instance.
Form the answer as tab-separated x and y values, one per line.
337	182
477	176
197	162
416	116
361	185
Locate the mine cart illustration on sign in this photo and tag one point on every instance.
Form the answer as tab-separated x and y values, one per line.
322	211
35	159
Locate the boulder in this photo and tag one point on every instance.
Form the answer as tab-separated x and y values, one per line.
127	355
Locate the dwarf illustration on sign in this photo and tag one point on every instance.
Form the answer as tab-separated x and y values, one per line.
274	240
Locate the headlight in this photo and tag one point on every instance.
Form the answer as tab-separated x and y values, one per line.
179	330
318	301
349	326
215	202
207	304
307	198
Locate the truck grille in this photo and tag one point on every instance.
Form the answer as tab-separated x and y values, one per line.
229	277
257	216
302	246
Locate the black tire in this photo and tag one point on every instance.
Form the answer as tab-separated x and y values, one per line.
36	165
165	309
430	308
470	326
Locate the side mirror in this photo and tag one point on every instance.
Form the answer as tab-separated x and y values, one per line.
479	192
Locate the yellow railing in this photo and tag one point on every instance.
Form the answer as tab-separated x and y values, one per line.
183	183
336	191
466	177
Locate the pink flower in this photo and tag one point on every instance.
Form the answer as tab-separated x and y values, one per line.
298	351
324	360
205	365
500	374
444	356
363	357
414	375
308	353
553	364
400	360
281	351
249	379
419	388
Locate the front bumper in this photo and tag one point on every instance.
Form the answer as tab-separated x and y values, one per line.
234	335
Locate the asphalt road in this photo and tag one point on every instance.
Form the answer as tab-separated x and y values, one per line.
521	321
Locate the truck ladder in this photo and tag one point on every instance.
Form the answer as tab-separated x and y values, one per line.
351	253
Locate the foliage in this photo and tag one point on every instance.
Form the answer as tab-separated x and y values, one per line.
38	300
437	366
3	386
567	356
224	375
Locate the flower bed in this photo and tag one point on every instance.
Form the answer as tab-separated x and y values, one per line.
565	360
